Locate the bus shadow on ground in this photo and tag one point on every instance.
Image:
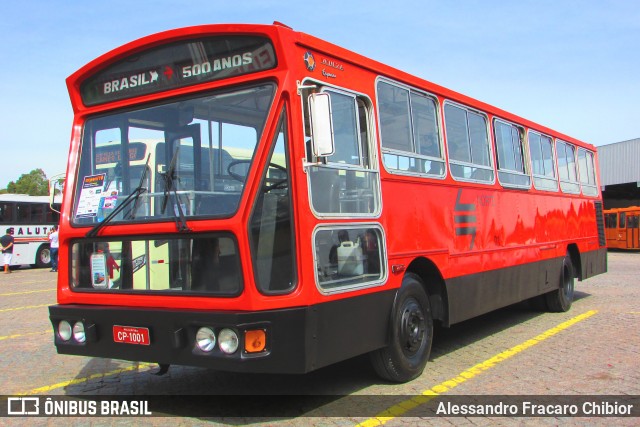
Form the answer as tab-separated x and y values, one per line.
447	340
233	398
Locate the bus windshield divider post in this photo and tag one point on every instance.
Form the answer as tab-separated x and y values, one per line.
181	222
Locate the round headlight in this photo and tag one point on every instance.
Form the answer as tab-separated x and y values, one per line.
228	341
64	330
78	332
205	339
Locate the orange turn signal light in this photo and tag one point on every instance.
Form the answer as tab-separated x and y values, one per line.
255	340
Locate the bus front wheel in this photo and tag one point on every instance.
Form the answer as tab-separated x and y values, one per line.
411	333
560	300
43	257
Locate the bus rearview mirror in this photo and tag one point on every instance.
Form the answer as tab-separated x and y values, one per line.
56	185
322	142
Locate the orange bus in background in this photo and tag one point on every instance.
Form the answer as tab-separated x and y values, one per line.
621	227
304	205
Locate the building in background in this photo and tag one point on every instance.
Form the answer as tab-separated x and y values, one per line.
620	173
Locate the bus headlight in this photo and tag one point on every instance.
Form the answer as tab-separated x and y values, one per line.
228	341
64	330
205	339
78	332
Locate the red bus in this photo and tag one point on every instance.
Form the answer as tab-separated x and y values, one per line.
254	199
622	227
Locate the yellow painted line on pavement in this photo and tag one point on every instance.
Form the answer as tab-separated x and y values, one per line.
75	381
24	307
427	395
34	282
10	294
10	337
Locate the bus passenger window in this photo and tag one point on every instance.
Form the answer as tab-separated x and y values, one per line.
543	162
587	172
348	257
409	130
512	170
567	167
468	142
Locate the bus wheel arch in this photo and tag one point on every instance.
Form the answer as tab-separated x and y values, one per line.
43	256
574	253
560	300
434	287
410	334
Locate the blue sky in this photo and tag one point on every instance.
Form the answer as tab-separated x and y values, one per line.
573	66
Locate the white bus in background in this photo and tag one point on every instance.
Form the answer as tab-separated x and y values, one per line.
31	218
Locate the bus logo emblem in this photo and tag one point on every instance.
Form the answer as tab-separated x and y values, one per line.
168	72
309	61
465	219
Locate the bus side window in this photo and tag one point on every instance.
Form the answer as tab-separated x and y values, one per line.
409	130
468	142
622	220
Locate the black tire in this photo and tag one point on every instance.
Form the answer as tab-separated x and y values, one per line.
411	334
43	257
560	300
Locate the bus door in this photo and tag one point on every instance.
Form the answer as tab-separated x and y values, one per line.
621	241
632	231
344	183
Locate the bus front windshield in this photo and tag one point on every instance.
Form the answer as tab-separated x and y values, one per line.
188	158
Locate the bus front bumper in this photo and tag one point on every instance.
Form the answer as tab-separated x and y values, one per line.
167	336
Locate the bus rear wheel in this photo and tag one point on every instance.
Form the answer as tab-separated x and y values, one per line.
560	300
411	334
43	257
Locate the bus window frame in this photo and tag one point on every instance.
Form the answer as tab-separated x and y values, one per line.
591	173
553	163
324	163
568	183
351	226
477	166
412	155
282	123
622	220
524	154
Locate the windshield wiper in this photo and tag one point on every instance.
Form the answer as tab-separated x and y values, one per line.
134	196
131	197
169	177
143	176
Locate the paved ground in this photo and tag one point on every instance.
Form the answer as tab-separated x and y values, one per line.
594	349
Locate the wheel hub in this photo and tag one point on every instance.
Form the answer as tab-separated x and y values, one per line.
412	327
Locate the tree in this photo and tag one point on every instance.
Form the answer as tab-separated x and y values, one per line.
34	183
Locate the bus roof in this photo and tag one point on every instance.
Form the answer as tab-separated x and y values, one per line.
280	33
25	198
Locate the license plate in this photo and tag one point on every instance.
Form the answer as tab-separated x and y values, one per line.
131	335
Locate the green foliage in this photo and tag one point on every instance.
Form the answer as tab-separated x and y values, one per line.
35	183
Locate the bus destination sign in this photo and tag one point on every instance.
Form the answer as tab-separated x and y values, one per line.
179	65
106	155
